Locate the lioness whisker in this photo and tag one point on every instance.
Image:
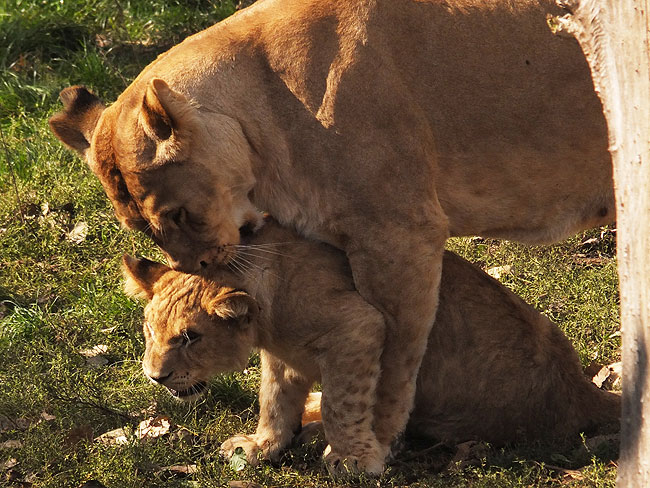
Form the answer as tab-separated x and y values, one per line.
268	251
249	263
241	268
259	268
253	255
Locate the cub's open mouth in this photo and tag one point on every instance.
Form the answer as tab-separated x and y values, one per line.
193	390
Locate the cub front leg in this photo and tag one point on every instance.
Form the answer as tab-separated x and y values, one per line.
282	396
349	374
398	272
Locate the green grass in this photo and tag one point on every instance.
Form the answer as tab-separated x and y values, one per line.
59	297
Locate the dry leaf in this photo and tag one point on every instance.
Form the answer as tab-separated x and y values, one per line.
599	378
112	437
13	424
11	444
469	453
608	376
95	355
94	351
47	417
79	233
244	484
79	434
153	427
498	271
8	464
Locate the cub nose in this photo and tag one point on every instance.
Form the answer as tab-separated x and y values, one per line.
160	379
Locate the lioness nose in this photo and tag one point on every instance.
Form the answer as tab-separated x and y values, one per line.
246	230
160	379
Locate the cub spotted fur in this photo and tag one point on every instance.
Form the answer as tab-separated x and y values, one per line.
379	126
495	369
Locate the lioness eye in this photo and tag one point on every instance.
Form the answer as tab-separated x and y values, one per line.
190	337
178	216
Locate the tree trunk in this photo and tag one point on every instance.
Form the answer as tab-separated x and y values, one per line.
614	37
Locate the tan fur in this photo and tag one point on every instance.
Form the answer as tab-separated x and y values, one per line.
378	126
495	369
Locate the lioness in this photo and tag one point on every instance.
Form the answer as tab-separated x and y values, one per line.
378	126
495	369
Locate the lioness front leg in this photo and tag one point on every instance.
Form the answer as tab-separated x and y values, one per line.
282	397
349	375
399	273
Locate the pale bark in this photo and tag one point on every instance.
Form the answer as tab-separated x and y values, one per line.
614	36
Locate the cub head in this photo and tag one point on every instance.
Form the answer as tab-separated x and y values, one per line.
171	168
193	328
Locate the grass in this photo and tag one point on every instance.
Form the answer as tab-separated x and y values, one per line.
60	296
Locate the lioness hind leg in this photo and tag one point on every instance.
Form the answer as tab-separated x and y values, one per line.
282	395
399	273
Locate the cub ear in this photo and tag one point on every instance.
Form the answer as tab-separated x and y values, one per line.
231	304
76	124
164	111
141	275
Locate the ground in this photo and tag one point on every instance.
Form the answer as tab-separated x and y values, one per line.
61	297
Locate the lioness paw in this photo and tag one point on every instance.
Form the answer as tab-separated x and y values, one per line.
341	465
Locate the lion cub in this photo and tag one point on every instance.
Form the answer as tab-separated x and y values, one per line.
495	369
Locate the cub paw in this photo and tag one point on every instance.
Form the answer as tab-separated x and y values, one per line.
341	465
255	447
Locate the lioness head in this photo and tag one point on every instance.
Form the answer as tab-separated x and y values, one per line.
193	328
175	170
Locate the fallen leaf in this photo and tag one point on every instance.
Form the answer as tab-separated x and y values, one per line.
499	271
13	424
9	463
238	460
30	478
183	435
95	355
607	377
244	484
153	427
78	435
469	453
599	378
11	444
94	351
112	437
78	234
47	417
96	361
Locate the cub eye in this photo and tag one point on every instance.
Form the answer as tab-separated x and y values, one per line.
189	337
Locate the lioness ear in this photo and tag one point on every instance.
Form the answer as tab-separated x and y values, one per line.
141	274
237	305
163	110
76	124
